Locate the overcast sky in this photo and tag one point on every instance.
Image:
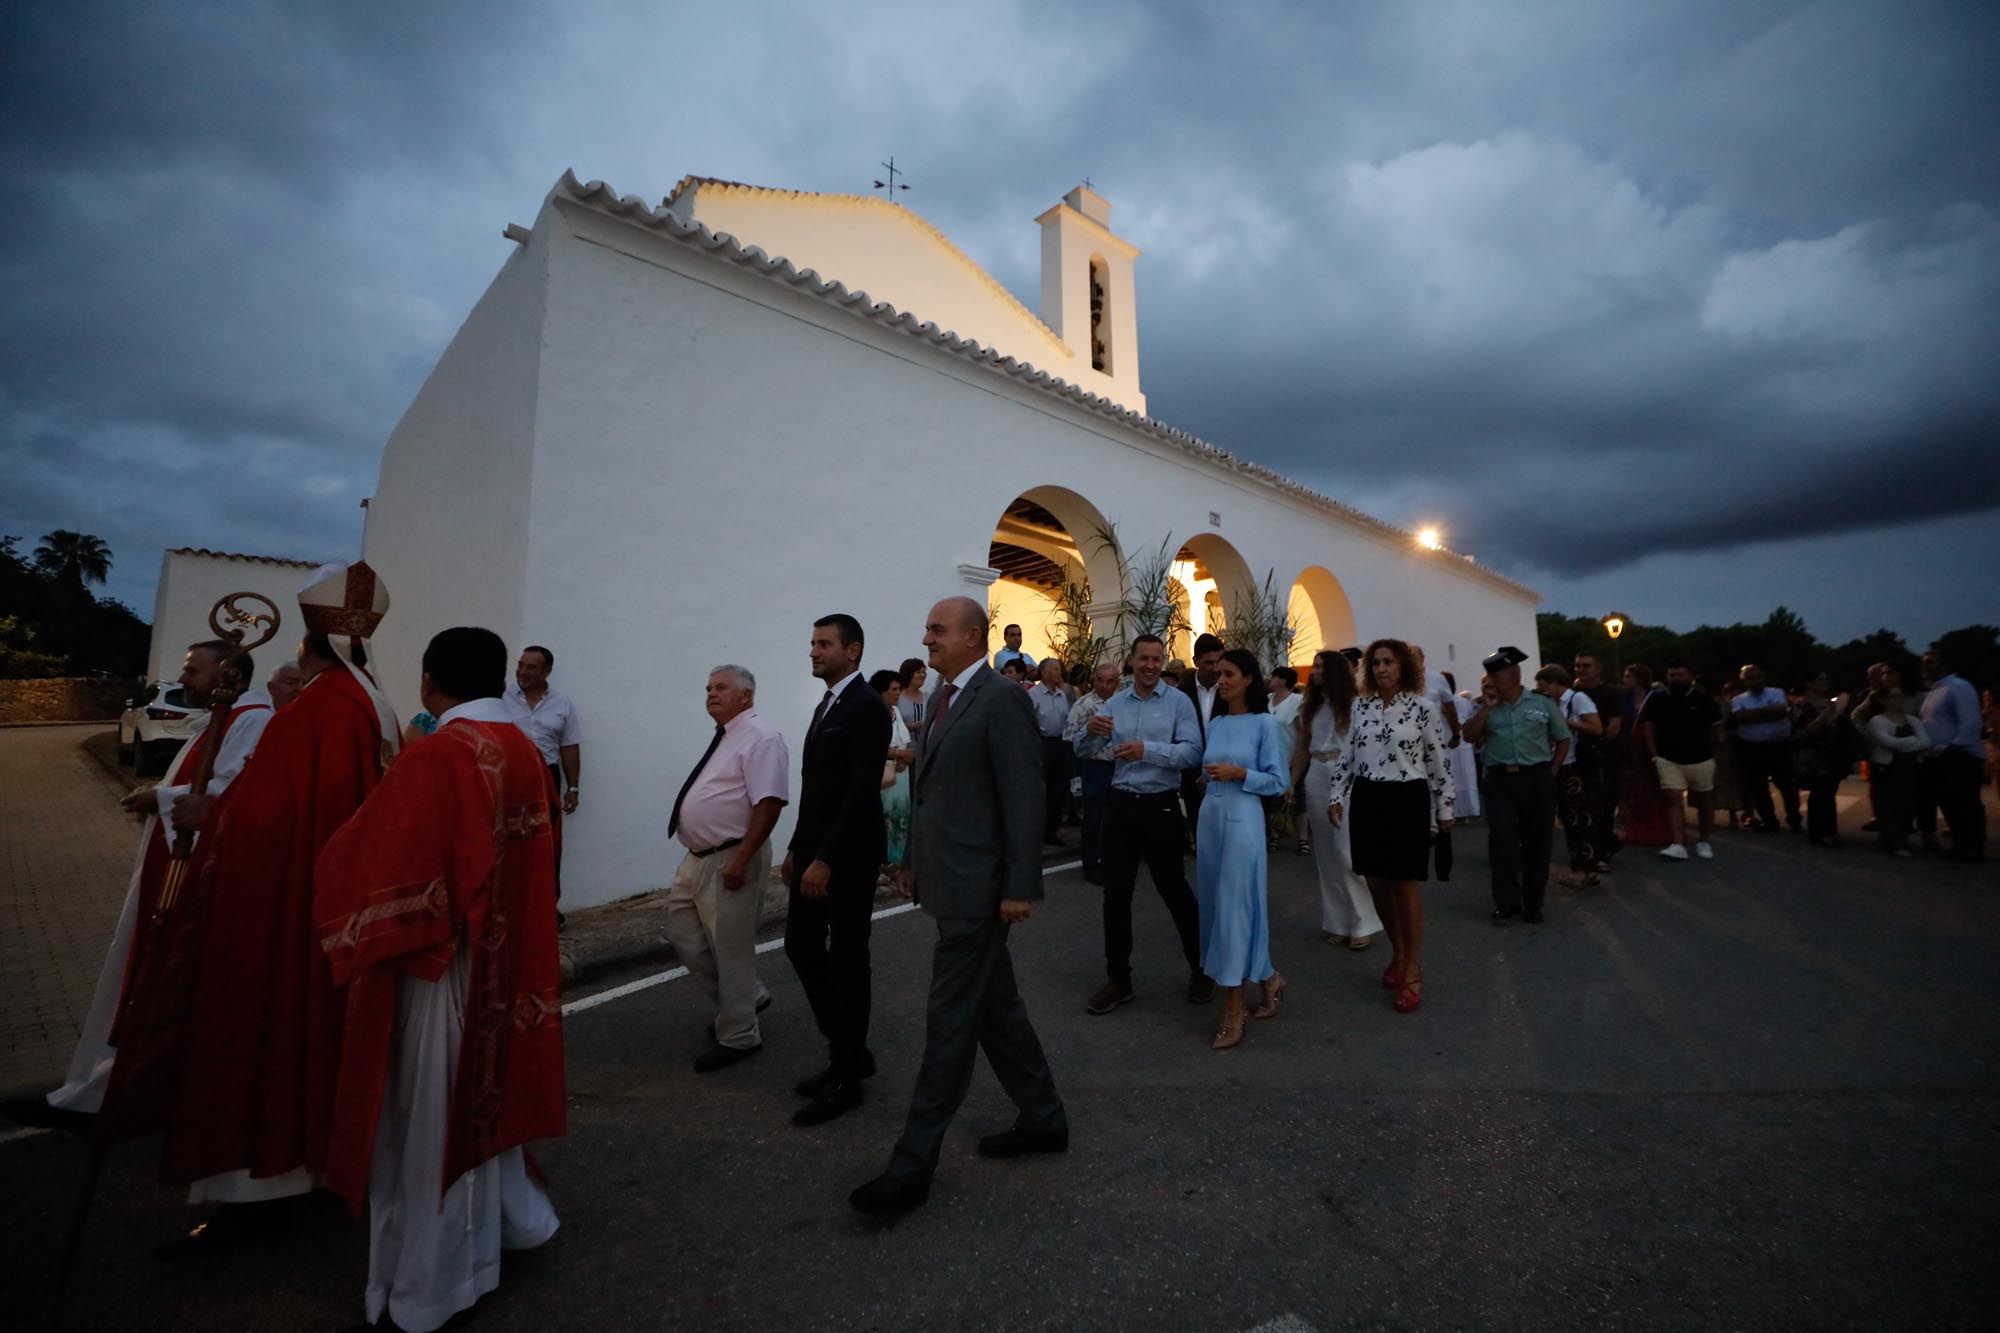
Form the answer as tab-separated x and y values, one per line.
1682	309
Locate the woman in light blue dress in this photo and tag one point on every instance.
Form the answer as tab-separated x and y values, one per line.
1247	759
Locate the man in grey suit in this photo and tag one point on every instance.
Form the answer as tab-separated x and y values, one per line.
975	833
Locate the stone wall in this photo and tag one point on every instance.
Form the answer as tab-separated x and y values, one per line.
63	699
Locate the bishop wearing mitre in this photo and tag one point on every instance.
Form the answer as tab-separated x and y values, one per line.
436	910
246	1113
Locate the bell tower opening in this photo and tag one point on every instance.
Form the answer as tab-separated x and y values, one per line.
1087	298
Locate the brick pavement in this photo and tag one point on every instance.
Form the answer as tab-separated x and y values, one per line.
65	858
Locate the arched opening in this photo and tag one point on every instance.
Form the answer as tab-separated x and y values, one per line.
1215	581
1059	576
1320	612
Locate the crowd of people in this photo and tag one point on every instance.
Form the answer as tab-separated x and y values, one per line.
336	964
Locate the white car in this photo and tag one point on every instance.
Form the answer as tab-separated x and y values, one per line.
154	725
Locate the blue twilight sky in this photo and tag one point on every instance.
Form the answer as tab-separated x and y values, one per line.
1684	308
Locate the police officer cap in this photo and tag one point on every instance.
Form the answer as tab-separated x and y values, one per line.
1504	656
1353	655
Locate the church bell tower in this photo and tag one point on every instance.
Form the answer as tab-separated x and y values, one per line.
1087	297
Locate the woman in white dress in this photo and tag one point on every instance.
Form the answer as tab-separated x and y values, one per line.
1346	910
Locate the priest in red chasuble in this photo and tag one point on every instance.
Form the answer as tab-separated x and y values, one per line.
435	908
246	1116
170	803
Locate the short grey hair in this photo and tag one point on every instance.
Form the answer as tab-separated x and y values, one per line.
744	680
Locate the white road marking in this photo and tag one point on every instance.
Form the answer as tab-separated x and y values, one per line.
676	973
1284	1323
28	1133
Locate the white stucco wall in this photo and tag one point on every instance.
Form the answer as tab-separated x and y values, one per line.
721	459
446	528
191	582
885	250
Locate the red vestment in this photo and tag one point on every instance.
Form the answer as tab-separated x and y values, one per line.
159	840
452	851
149	1030
256	1086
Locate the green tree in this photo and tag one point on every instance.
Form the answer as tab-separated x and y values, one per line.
73	558
1973	651
1852	659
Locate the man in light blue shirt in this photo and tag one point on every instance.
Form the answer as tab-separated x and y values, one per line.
1012	652
1050	697
1955	772
1154	736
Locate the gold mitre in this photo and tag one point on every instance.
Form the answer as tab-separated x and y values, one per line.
344	599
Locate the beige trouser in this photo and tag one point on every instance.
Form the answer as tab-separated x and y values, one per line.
715	933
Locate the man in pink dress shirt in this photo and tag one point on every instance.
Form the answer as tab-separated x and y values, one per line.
723	816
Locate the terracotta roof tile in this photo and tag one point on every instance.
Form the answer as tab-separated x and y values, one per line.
237	555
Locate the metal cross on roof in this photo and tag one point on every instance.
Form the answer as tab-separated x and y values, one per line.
894	171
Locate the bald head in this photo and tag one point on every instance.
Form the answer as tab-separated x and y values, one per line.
955	634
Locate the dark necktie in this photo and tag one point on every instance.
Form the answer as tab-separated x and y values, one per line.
943	707
674	820
819	713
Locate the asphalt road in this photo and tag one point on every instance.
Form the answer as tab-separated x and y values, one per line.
1755	1093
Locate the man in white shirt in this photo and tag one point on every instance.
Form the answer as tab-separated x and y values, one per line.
1199	686
1763	717
168	806
723	817
548	718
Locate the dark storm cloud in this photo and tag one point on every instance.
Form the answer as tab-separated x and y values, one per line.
1592	284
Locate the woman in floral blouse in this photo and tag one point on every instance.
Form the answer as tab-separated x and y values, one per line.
1395	777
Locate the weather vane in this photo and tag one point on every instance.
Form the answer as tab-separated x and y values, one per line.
894	171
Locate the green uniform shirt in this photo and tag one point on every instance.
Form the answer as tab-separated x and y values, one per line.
1523	732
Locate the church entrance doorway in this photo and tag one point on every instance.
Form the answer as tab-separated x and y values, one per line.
1059	577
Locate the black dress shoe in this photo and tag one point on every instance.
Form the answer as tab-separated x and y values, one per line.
889	1197
229	1226
1018	1142
810	1087
36	1113
831	1102
1200	988
719	1056
1502	916
1532	918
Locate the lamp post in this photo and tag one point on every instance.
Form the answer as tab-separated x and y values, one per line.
1614	625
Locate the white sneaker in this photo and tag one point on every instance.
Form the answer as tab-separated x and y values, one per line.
1675	853
1704	851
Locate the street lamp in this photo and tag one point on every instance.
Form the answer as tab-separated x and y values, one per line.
1614	625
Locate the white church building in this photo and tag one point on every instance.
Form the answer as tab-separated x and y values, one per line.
671	437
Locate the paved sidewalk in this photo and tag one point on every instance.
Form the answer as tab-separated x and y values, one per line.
65	858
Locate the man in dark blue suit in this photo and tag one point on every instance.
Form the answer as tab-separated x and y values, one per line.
835	857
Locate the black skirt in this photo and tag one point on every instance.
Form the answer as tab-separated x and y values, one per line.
1390	829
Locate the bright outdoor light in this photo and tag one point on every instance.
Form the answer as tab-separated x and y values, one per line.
1614	624
1430	538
